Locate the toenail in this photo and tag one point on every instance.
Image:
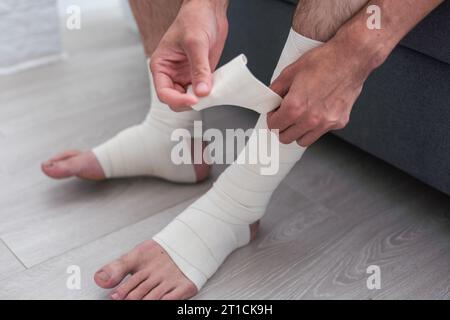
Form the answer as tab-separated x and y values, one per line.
49	164
115	296
103	275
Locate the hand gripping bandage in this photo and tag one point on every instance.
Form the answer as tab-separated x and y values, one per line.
145	149
235	85
202	236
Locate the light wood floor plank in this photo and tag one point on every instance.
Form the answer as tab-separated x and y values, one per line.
310	252
339	210
78	103
9	264
48	279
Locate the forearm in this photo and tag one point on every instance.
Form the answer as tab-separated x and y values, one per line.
371	47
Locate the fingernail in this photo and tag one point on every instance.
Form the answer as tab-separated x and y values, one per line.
115	296
202	87
103	275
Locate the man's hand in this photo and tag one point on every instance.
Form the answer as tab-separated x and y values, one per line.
189	52
319	91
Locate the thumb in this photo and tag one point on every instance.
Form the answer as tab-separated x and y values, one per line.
198	54
282	83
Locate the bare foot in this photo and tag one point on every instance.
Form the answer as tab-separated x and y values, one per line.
74	164
84	165
154	276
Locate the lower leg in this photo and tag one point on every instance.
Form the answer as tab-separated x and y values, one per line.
153	18
320	20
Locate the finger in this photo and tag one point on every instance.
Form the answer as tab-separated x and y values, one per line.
289	135
176	100
281	85
169	92
280	118
197	51
293	133
310	137
181	89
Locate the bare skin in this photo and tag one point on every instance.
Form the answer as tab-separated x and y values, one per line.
320	89
84	165
153	274
153	19
73	163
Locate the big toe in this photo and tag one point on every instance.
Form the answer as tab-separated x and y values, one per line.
59	169
113	273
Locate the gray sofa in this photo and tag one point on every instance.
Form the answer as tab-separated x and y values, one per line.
403	114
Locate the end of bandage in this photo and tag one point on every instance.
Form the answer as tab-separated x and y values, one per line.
234	84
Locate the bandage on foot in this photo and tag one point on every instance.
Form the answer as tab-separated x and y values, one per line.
202	236
145	149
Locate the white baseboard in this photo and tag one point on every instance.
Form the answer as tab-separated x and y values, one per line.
32	64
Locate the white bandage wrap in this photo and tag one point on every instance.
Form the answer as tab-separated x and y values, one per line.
235	85
145	149
201	237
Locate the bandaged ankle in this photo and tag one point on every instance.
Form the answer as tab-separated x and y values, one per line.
145	149
201	237
296	45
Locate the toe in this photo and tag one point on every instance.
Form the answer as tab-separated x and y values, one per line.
60	157
64	155
59	169
112	274
129	285
155	276
144	288
182	292
73	163
158	292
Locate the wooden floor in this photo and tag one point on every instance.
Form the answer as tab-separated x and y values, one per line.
338	212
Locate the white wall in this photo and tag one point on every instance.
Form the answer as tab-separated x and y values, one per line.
29	34
89	7
30	30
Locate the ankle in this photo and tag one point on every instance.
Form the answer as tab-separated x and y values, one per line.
202	171
254	228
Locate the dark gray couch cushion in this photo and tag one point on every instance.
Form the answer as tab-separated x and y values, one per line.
403	116
403	113
258	28
431	36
